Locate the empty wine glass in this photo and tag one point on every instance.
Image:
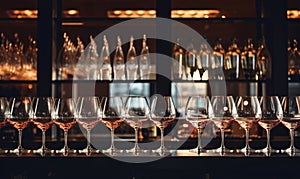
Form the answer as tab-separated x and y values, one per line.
224	113
198	112
291	118
271	117
18	116
88	115
112	117
249	112
4	112
64	118
43	109
136	112
162	113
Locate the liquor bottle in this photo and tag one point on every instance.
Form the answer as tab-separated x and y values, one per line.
264	61
178	63
218	60
232	61
248	60
131	63
118	64
105	65
145	61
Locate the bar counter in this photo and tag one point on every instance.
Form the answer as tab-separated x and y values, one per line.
180	164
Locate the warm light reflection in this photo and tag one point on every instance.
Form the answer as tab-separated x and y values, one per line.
131	13
195	13
293	14
26	13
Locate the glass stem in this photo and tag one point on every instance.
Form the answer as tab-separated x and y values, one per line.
88	141
136	139
292	134
162	142
268	139
20	139
247	147
112	146
222	139
199	140
66	138
43	139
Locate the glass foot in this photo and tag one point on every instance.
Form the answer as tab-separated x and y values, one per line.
221	150
267	151
111	151
88	151
43	151
18	151
198	150
291	151
65	151
246	150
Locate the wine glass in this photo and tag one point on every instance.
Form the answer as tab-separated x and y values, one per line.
18	116
112	117
43	110
4	112
291	118
162	113
199	112
64	118
136	112
249	112
88	115
271	117
224	113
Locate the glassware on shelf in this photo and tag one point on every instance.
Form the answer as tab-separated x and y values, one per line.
178	65
105	65
162	113
64	118
291	119
19	116
249	112
136	113
248	61
112	117
218	61
145	61
88	114
131	62
271	117
264	61
293	59
232	62
43	110
93	61
224	113
4	112
204	61
199	112
118	64
191	61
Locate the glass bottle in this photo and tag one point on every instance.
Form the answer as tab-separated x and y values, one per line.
92	61
178	65
204	61
131	63
118	64
232	61
294	59
264	61
105	65
145	61
248	60
191	60
218	60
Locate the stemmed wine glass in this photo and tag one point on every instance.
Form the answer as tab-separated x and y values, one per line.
88	115
162	113
64	118
4	112
43	109
136	112
224	113
291	118
249	112
271	117
199	112
18	116
112	117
